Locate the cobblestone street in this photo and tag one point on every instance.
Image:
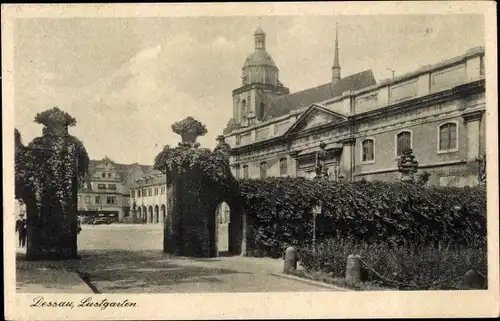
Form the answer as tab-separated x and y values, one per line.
129	259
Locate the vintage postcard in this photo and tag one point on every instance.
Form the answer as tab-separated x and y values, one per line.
250	160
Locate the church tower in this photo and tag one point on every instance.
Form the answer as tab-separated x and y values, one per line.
336	64
260	84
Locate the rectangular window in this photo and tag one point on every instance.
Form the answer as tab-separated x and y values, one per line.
109	175
368	153
132	194
150	191
156	191
245	171
138	193
103	175
403	142
283	167
87	199
111	200
112	186
263	170
98	200
101	186
447	137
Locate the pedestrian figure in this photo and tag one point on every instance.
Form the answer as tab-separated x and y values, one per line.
21	230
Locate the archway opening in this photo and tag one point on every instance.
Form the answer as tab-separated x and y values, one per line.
163	212
157	215
139	215
150	214
222	227
144	214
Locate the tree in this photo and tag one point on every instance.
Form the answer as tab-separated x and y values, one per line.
47	175
23	187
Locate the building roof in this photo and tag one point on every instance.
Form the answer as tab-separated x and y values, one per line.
259	58
126	172
259	31
150	171
285	104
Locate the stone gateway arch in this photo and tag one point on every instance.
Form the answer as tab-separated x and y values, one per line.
191	227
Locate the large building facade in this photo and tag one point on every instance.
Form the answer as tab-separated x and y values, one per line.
437	111
106	190
150	197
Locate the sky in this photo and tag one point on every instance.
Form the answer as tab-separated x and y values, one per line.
127	80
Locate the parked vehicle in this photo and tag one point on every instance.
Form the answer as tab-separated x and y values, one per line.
87	220
102	220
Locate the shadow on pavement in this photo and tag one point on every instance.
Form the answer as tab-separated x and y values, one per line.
131	271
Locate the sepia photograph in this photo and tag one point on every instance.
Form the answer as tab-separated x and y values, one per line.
249	153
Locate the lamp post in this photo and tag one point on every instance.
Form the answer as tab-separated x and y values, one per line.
317	210
407	166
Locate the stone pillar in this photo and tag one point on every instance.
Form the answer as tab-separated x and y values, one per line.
472	120
290	263
347	158
353	269
474	280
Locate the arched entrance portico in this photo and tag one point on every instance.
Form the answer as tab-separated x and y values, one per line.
156	218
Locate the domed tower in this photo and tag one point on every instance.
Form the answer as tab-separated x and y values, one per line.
260	83
259	67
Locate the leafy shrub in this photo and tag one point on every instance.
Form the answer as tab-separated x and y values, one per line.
279	213
414	267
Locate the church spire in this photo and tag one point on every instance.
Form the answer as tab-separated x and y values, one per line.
336	65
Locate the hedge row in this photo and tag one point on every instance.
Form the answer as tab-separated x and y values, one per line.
279	213
409	267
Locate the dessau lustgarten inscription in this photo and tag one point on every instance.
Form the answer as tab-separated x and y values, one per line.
86	302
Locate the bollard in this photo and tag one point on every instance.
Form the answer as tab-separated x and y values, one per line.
353	269
290	264
474	280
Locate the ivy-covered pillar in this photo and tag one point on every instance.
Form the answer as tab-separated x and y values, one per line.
197	178
55	161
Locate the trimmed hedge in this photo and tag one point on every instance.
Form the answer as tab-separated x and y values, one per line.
409	267
279	213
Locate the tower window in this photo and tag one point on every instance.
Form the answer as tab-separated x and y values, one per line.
261	110
244	108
